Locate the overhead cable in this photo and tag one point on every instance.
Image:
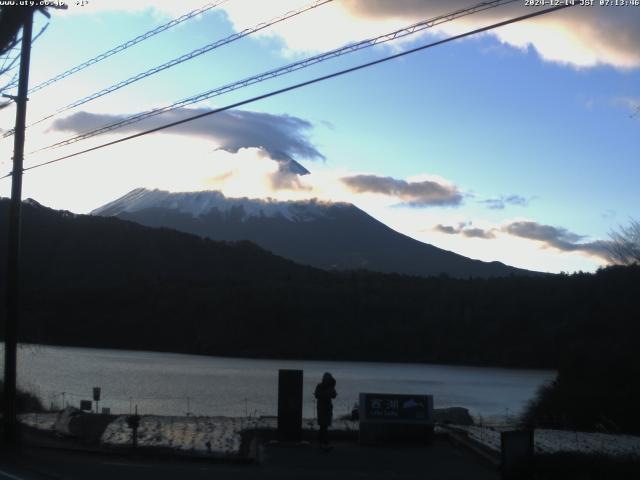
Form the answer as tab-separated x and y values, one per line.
304	84
127	44
12	64
181	59
292	67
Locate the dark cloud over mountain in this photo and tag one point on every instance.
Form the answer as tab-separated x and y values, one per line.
448	229
417	194
557	237
466	230
283	137
478	233
550	236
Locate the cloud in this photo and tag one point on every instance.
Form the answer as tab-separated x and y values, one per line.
260	151
416	194
466	230
558	238
545	233
251	171
499	203
448	229
282	137
550	236
581	36
478	233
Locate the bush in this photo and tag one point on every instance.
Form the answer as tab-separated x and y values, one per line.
594	391
26	402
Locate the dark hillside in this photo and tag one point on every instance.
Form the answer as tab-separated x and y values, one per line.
105	282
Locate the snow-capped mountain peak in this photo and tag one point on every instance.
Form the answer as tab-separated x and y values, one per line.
197	204
321	234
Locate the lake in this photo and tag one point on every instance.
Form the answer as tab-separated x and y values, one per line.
177	384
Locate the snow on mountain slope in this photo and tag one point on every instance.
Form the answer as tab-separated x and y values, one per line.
321	234
201	203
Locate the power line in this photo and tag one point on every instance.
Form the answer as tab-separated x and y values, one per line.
183	58
11	83
127	44
11	66
412	29
304	84
5	68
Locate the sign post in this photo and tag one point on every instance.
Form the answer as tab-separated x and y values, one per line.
290	405
386	417
96	397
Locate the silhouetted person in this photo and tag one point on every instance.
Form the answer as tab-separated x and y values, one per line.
325	392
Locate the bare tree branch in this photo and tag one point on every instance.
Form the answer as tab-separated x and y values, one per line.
624	248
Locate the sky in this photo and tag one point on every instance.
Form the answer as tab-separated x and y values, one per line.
518	145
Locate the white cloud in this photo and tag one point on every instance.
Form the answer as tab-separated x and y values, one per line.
192	163
579	36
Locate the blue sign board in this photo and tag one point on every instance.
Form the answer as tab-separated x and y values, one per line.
394	407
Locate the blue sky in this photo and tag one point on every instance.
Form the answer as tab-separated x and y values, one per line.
519	145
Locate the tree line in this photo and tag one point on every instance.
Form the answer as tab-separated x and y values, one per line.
104	282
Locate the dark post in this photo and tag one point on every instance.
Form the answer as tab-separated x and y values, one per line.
517	454
13	251
133	421
290	405
96	397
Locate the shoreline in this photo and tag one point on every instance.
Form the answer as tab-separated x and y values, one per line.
232	437
283	359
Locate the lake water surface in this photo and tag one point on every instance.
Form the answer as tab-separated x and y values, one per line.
176	384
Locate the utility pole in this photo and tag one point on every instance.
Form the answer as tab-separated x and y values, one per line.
10	421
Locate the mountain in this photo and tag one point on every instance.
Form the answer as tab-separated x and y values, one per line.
63	249
331	236
103	282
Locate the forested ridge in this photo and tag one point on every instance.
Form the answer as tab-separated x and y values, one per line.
104	282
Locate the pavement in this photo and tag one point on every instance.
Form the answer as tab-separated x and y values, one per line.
441	460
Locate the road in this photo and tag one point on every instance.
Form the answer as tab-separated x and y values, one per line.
347	460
